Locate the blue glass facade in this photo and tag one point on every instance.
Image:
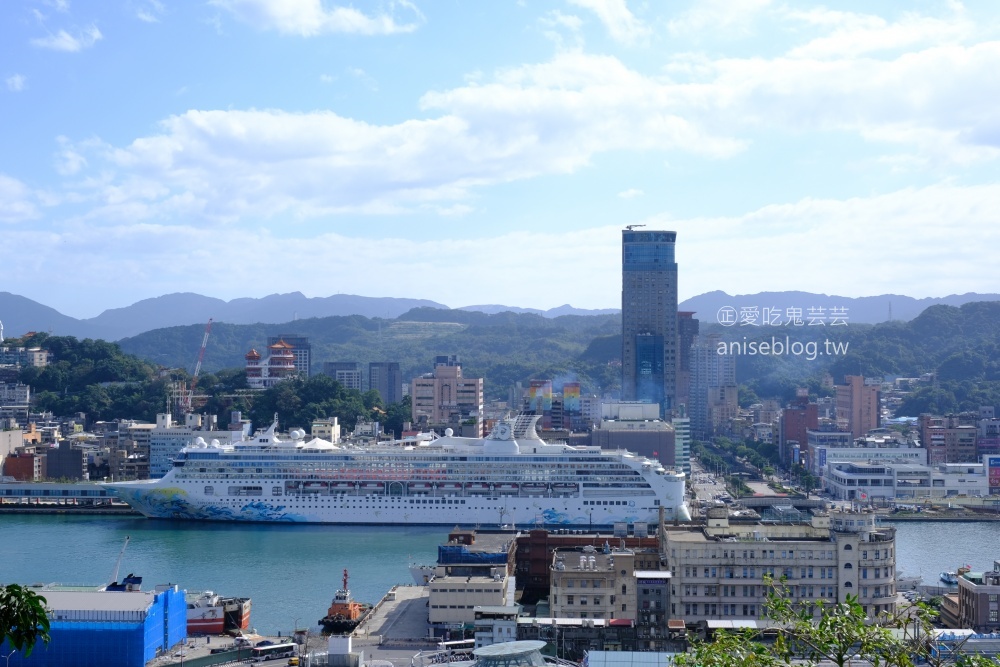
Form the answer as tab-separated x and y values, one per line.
649	318
649	368
648	251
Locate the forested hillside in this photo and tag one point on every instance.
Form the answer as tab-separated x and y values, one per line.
504	348
961	345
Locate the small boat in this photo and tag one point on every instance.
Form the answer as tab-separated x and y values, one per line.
951	578
344	613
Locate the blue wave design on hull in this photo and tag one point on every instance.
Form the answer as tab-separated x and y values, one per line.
172	503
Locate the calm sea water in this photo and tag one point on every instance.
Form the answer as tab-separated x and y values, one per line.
290	571
927	548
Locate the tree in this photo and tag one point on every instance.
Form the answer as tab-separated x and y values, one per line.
24	620
841	634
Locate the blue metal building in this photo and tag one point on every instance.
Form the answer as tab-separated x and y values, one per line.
91	628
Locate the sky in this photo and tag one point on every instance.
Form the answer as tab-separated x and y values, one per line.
491	152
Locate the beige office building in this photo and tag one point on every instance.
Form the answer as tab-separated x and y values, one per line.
719	569
588	583
446	398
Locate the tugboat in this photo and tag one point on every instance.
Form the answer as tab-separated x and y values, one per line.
344	613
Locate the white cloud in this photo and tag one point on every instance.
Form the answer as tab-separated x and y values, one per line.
859	34
369	82
15	83
930	105
63	41
719	17
150	12
563	30
16	201
621	23
531	121
631	193
932	101
309	18
69	160
904	231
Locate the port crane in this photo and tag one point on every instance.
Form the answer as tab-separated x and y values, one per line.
130	582
118	563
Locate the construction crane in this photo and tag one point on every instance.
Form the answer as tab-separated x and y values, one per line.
631	227
188	398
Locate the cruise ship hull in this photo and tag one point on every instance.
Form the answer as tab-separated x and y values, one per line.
495	481
175	502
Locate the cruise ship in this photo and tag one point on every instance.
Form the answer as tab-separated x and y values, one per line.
510	478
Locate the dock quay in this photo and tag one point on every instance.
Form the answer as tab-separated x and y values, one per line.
396	628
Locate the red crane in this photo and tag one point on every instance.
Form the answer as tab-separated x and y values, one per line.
197	367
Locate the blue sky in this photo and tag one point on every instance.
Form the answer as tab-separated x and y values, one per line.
491	152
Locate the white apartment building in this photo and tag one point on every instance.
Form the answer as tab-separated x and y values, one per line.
167	439
868	481
719	569
821	456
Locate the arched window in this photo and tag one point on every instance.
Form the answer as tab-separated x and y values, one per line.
848	566
847	547
848	584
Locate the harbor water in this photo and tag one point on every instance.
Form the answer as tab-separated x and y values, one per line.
292	571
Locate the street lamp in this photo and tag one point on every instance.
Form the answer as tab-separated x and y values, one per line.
7	657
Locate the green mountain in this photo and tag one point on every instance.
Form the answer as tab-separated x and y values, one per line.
960	344
504	347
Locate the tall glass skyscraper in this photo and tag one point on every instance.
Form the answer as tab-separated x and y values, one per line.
649	318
